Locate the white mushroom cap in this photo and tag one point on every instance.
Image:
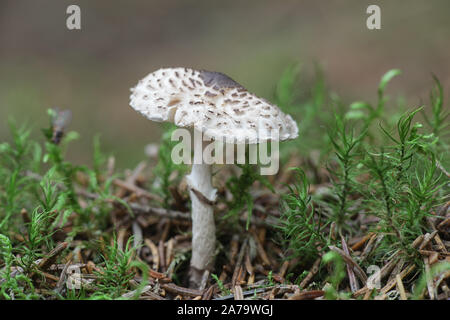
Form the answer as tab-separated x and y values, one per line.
213	103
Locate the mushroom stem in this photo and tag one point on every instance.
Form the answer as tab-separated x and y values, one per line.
202	195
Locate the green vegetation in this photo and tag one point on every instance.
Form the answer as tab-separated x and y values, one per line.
391	173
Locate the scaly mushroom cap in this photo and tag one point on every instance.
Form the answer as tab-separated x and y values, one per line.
211	102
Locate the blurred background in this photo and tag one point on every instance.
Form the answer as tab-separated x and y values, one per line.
90	71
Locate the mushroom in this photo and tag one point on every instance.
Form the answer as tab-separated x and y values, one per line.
219	108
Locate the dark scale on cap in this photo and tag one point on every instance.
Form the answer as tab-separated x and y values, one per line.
209	94
218	79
